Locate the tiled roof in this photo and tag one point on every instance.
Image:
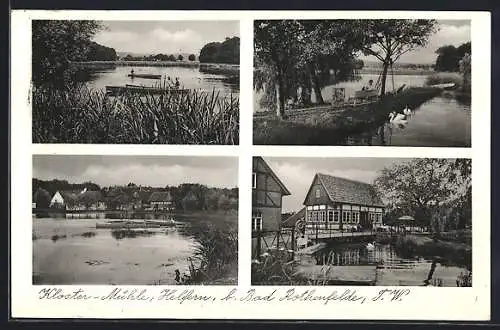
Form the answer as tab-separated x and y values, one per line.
350	191
160	196
292	220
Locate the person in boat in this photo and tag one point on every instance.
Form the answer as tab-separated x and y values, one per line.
369	86
132	72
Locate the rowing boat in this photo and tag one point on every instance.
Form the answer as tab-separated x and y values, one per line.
444	86
144	75
117	90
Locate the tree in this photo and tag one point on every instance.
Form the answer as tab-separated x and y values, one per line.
56	43
171	58
192	57
431	190
447	59
389	39
180	57
465	69
225	52
99	52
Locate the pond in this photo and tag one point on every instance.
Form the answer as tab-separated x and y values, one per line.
73	251
439	122
190	78
394	269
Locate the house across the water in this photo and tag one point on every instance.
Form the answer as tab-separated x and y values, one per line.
338	203
161	201
267	194
78	200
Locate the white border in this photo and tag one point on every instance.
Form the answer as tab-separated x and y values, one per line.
423	303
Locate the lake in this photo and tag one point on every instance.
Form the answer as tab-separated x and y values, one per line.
190	78
439	122
394	269
73	251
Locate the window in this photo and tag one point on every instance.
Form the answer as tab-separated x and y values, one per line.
318	193
257	222
321	216
372	217
336	216
254	180
330	216
379	217
346	216
355	216
314	216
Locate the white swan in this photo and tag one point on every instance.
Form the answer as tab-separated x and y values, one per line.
397	118
407	111
370	246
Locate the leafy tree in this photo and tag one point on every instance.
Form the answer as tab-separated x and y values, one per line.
180	57
447	59
42	198
99	52
171	58
192	57
465	69
434	191
56	43
128	57
225	52
389	39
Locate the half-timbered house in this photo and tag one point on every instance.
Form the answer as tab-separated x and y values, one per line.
267	193
338	203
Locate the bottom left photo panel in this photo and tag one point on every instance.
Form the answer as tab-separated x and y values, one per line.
134	220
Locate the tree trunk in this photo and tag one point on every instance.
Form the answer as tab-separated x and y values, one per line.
280	97
315	83
384	77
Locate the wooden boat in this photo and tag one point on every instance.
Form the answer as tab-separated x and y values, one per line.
443	86
117	90
126	224
144	75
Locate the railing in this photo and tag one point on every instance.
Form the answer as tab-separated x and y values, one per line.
267	240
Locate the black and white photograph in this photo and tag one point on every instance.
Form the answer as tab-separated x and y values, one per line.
135	82
362	221
135	220
363	82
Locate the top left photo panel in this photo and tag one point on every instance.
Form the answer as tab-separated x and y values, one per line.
135	82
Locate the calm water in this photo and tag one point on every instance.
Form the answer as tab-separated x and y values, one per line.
394	269
73	251
439	122
190	78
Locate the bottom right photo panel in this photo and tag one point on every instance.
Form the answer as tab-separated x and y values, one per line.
362	221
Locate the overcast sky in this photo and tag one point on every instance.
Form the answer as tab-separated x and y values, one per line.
297	173
156	171
166	37
451	32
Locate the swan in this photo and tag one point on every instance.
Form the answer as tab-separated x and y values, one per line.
407	111
370	246
397	118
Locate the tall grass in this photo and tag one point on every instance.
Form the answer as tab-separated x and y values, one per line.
82	115
215	256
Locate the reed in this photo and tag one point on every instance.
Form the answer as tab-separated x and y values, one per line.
82	115
215	256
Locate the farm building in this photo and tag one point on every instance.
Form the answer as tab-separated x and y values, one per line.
78	201
267	194
161	201
338	203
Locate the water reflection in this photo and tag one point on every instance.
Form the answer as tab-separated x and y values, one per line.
392	268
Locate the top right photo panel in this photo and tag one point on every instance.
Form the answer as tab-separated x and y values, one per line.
362	82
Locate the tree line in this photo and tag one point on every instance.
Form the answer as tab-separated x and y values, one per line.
436	192
295	58
186	196
159	57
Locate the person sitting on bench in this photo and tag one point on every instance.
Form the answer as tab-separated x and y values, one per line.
369	86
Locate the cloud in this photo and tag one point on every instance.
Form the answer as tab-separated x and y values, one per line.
155	171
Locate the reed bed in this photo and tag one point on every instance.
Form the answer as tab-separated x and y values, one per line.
215	257
83	115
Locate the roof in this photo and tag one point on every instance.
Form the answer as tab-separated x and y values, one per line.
349	191
87	197
292	220
160	196
284	189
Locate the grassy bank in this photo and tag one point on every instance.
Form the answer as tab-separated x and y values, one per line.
415	245
399	71
82	115
327	127
215	260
